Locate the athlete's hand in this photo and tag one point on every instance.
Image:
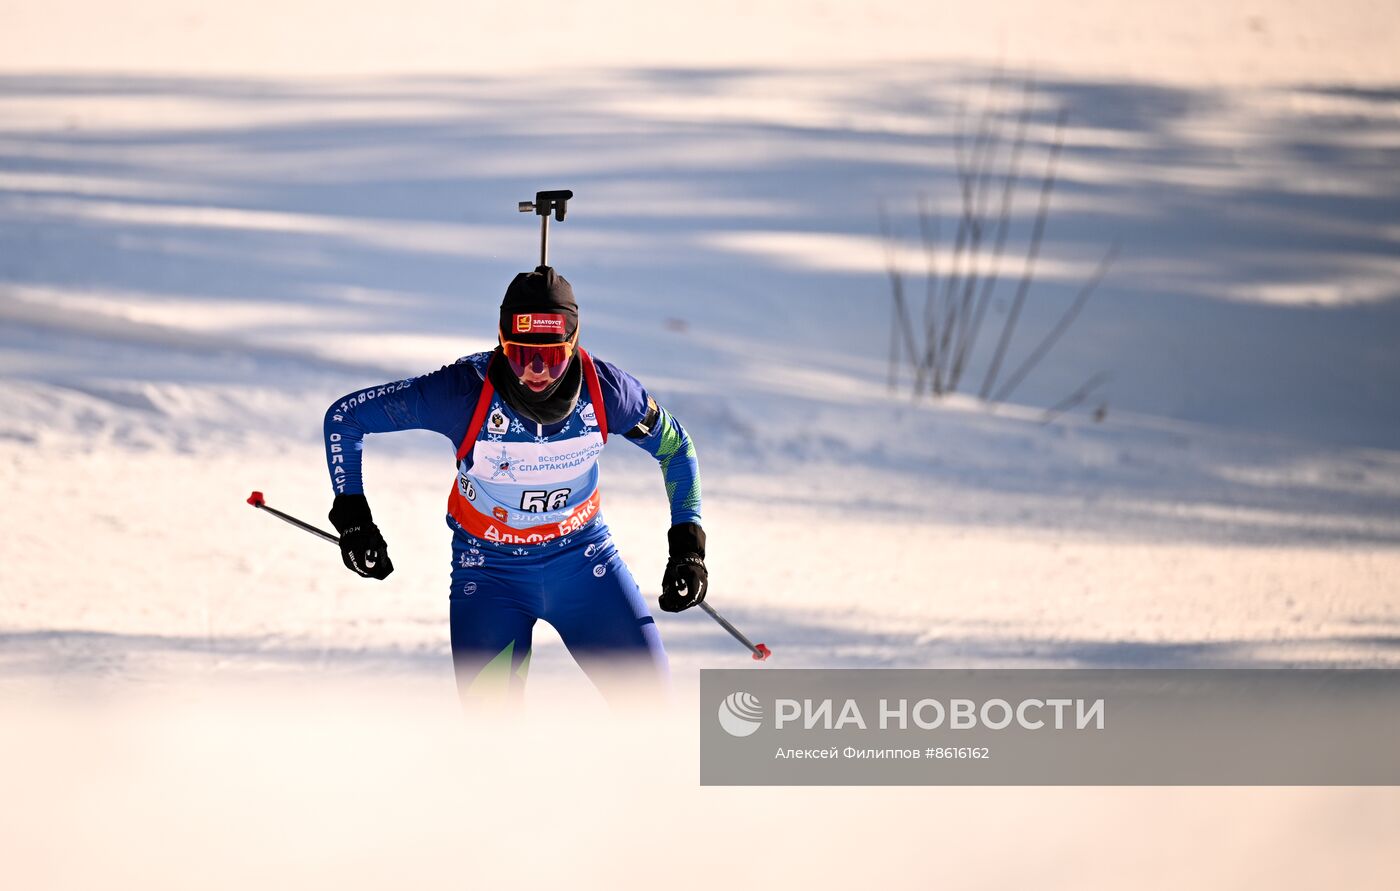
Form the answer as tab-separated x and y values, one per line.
686	578
361	546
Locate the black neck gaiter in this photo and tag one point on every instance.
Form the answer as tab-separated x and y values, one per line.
551	405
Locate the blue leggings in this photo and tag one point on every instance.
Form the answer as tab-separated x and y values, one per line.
580	586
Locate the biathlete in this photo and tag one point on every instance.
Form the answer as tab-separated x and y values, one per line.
528	420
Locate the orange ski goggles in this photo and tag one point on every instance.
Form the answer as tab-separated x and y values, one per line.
550	358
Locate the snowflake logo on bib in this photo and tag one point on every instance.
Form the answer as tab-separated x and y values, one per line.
501	466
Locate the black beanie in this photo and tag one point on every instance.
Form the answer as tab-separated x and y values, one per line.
539	307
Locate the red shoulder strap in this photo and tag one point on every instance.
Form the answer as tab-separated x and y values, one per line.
483	404
595	392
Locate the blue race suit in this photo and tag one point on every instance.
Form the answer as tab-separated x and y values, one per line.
529	540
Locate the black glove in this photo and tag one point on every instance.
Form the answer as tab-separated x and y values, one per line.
361	546
686	580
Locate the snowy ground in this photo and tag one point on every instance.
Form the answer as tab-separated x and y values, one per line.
210	228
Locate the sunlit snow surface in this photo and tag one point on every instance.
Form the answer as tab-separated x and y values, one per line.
210	228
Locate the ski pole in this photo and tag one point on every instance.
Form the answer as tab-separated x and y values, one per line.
256	500
760	651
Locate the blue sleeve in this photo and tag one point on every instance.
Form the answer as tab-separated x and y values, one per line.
625	402
624	399
440	401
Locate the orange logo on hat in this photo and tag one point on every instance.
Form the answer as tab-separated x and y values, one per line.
539	323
